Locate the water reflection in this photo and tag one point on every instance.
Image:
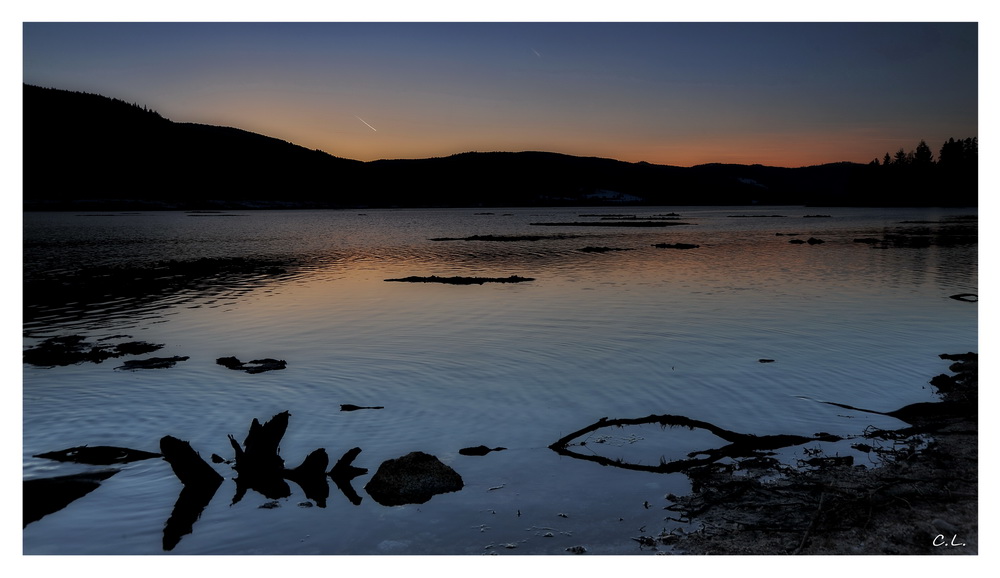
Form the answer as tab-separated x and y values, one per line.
136	293
629	331
45	496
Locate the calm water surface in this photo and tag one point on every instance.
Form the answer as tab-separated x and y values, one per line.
620	334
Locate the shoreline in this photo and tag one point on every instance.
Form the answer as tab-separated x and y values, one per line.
922	499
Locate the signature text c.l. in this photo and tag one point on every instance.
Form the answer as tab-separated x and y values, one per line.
941	540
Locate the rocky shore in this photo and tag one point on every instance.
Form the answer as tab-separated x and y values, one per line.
921	500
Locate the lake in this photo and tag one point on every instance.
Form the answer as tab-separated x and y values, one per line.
624	329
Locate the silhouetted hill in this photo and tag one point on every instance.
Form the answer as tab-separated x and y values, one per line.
89	151
85	147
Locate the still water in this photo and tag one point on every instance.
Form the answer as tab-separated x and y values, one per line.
619	334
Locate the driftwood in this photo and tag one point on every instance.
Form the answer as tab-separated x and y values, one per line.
98	455
259	466
261	469
200	481
479	450
311	477
907	504
187	465
257	462
343	472
45	496
741	445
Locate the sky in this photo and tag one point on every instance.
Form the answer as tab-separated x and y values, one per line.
677	93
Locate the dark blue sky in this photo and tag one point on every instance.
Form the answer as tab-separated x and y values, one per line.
787	94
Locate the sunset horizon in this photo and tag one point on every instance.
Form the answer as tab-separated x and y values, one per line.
679	94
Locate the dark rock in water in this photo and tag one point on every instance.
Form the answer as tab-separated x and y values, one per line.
814	241
463	280
72	349
797	242
602	249
479	451
253	366
766	360
506	238
152	363
230	362
412	479
262	365
625	223
135	348
676	246
48	495
98	455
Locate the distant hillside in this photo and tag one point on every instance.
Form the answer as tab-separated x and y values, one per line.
89	151
87	147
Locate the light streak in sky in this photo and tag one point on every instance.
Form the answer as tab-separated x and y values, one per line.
536	53
366	124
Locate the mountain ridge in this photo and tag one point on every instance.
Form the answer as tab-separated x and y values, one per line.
83	150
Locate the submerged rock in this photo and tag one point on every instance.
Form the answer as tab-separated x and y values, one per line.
72	349
253	366
152	363
412	479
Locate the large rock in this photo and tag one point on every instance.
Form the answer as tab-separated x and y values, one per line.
412	479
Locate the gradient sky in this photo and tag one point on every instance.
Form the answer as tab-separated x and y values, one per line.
783	94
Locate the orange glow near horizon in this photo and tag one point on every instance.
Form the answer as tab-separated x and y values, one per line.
682	94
